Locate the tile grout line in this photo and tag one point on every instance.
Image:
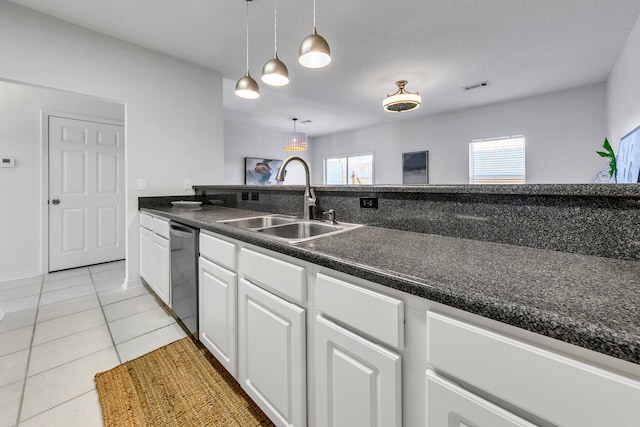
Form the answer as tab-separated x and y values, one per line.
115	347
26	371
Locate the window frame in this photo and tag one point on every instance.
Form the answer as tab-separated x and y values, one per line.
347	156
523	176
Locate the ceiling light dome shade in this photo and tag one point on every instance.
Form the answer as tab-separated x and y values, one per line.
275	73
314	51
401	101
247	88
294	141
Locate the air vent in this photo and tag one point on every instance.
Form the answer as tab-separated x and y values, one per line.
476	86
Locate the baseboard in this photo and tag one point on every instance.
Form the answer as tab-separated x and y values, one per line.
131	283
19	275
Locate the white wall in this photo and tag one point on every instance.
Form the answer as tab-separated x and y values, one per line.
21	109
562	130
623	96
242	141
174	125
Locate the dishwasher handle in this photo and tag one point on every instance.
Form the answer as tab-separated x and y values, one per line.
182	230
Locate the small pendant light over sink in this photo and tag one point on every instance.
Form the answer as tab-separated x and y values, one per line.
314	50
401	101
246	87
274	72
294	141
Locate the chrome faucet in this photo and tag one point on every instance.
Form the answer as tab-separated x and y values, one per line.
309	194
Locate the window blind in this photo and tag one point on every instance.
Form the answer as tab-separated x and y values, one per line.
497	160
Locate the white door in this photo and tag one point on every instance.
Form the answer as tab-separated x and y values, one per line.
271	354
86	193
357	382
218	301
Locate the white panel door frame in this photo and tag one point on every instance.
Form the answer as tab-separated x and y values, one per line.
44	212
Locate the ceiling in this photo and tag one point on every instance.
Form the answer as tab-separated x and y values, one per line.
522	47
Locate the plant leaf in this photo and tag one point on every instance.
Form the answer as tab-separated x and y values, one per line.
603	154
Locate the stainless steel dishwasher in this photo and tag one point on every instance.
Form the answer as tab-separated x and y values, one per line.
184	275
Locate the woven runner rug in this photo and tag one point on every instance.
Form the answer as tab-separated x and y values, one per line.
179	385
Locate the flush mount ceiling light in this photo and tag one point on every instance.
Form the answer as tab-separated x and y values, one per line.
314	50
246	87
294	141
402	100
274	72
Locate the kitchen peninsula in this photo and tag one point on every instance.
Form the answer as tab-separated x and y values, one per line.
546	273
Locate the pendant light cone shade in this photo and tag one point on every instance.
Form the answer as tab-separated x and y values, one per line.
294	141
246	87
314	51
401	101
274	72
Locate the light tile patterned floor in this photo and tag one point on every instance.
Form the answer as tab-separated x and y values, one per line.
61	329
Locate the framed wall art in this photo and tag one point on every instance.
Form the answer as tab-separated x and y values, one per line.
415	168
259	171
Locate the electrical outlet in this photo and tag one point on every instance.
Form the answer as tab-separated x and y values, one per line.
244	195
368	203
187	184
255	196
141	184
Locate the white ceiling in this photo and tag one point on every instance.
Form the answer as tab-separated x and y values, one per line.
522	47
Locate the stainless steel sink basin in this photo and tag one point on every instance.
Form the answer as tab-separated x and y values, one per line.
289	229
260	222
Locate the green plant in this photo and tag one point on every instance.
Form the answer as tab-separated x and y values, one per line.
609	154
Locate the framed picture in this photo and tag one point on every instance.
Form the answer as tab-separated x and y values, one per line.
628	162
259	171
415	167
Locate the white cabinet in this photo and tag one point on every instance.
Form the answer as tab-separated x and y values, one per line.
155	255
146	262
357	382
161	261
451	406
548	385
217	311
272	356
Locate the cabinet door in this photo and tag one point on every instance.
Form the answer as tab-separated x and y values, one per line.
146	263
161	277
217	312
451	406
358	383
271	354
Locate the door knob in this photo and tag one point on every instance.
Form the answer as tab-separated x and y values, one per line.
56	201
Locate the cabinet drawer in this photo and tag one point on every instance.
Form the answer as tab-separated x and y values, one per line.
219	251
451	406
279	276
366	311
161	227
146	221
553	387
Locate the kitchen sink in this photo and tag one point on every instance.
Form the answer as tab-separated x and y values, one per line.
290	229
260	222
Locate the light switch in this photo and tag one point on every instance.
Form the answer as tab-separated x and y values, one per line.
187	184
7	162
141	184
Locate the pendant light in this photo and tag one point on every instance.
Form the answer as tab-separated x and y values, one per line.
274	72
246	87
294	141
401	101
314	50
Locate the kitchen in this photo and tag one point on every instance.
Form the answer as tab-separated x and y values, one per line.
168	90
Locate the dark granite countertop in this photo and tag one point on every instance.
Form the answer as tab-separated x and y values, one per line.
588	301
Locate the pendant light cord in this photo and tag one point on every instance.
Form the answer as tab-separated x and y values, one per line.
314	14
248	36
275	27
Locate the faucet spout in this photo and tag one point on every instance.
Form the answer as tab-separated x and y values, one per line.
309	194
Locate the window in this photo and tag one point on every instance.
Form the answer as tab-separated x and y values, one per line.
349	170
497	160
